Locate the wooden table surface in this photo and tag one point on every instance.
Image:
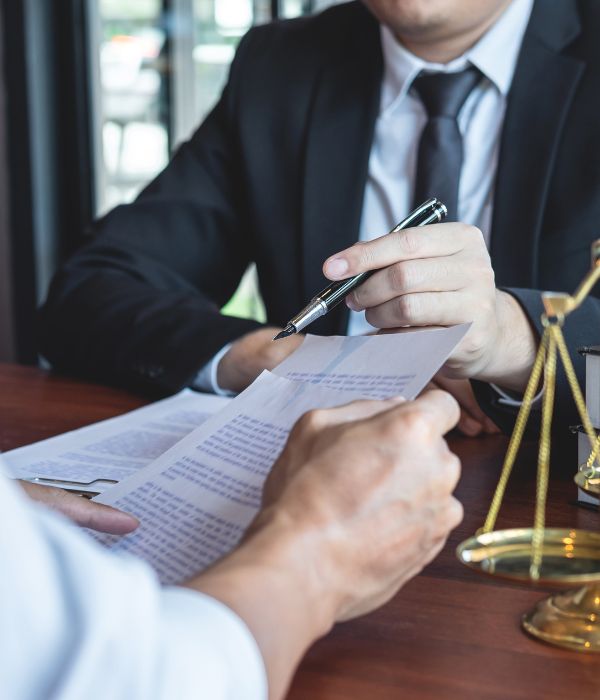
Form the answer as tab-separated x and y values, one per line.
449	634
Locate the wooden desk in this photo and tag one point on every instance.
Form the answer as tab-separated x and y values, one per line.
449	634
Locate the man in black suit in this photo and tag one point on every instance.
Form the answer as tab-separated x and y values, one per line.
286	172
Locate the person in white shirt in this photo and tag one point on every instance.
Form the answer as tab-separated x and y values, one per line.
358	502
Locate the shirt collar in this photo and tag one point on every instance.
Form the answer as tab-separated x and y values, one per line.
495	54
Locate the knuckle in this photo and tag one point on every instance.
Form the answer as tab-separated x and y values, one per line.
447	404
410	242
454	513
400	276
452	468
487	271
472	233
484	271
416	423
310	422
392	430
407	307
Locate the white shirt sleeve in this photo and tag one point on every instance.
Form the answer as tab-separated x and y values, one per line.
507	400
206	379
77	621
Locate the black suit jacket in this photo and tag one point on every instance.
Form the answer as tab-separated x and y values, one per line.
276	174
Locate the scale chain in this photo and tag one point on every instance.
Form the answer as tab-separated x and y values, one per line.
517	436
539	520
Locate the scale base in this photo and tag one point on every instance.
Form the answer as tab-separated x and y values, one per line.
570	620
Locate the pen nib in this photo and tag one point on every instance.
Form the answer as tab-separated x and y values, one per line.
290	329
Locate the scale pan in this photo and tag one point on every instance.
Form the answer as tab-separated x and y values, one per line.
568	556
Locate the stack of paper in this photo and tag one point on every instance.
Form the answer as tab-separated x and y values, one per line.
98	456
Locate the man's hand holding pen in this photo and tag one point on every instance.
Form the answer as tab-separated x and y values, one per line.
417	275
441	275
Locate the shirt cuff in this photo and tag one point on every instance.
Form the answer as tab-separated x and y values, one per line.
5	469
217	645
507	400
206	379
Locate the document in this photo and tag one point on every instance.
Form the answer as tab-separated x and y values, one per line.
196	500
94	458
375	366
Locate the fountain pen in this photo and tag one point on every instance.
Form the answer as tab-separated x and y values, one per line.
430	212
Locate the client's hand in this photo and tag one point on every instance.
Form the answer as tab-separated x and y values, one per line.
251	354
82	511
359	501
370	485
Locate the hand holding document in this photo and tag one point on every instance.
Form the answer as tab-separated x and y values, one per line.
197	499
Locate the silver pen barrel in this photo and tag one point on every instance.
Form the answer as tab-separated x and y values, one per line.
314	310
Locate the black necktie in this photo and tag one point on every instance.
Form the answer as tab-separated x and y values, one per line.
441	146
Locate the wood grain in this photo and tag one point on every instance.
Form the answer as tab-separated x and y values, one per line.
449	633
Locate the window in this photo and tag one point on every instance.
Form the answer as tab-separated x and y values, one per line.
160	66
132	119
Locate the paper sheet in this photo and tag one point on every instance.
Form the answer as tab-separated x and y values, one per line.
100	454
377	366
196	500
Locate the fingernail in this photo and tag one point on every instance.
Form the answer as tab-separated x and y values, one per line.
351	304
336	267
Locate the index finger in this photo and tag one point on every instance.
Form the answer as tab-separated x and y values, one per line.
437	240
360	409
95	516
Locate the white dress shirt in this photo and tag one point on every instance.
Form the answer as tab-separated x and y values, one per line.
392	163
77	621
393	160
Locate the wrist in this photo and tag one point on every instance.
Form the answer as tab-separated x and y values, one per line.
513	349
272	583
292	552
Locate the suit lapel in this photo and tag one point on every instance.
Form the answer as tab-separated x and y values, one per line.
538	104
339	137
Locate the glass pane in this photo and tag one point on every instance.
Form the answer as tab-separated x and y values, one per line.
132	94
296	8
218	26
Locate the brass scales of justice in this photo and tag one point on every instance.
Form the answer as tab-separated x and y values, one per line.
549	555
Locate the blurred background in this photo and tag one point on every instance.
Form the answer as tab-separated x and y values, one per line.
96	95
